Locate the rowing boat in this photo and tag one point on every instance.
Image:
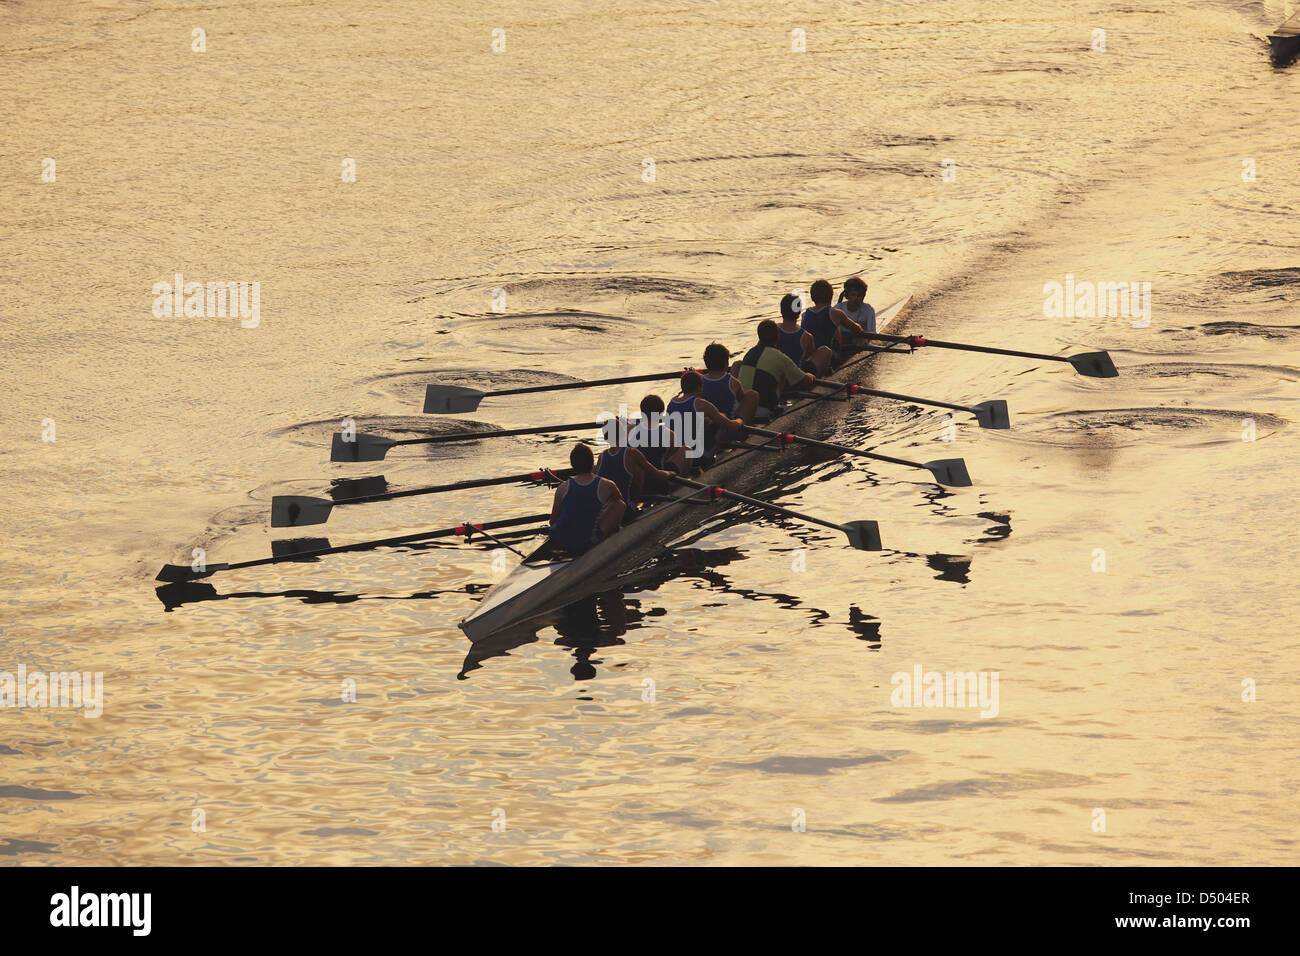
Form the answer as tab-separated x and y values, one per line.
1285	40
539	585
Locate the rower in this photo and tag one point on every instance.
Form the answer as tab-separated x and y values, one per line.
829	326
853	304
723	390
659	443
587	508
626	466
689	411
768	370
799	344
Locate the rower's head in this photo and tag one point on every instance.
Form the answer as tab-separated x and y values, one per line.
821	292
581	460
768	333
855	290
652	405
692	382
716	357
791	306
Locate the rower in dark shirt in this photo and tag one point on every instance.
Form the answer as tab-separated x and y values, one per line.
627	466
829	326
587	508
690	413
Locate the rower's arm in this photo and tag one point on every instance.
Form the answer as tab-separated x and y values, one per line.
710	412
642	469
844	322
559	497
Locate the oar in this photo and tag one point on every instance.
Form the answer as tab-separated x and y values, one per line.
1091	364
990	414
947	471
296	511
458	399
363	447
863	535
180	572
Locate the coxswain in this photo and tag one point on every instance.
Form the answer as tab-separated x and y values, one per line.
853	304
689	411
587	508
769	371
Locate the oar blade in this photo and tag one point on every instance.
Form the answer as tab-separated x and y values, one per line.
993	414
950	472
1094	365
451	399
863	535
176	573
362	447
289	547
295	511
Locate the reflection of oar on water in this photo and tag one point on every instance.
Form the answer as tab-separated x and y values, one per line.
1091	364
947	471
863	535
297	552
297	511
990	414
363	447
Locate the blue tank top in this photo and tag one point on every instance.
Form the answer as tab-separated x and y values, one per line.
824	332
654	445
575	527
613	465
685	408
718	392
791	343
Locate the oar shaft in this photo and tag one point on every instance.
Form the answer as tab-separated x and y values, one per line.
758	503
501	433
455	486
590	383
863	390
831	446
389	542
919	340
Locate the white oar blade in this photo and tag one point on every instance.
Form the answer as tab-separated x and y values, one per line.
451	399
1094	365
993	414
950	472
863	535
362	447
295	511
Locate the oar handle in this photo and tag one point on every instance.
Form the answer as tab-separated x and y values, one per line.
388	542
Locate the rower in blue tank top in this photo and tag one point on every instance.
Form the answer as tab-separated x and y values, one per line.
697	421
791	338
587	508
627	466
722	387
661	447
828	325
